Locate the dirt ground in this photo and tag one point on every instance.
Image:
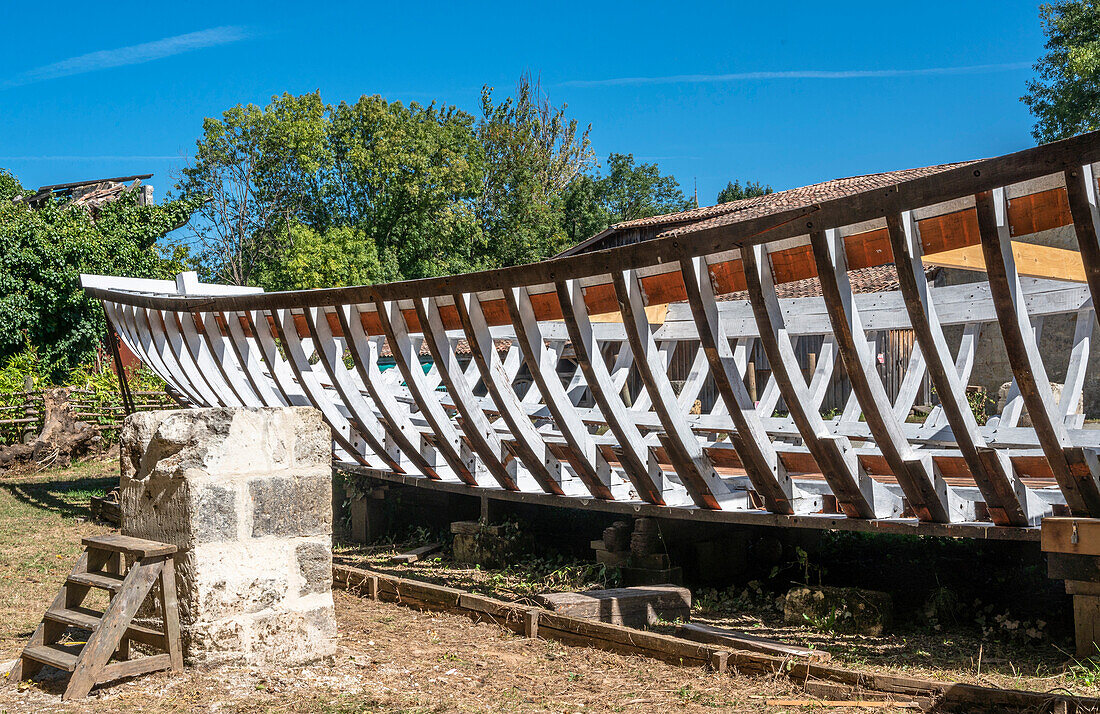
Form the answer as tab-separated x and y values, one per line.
393	659
954	654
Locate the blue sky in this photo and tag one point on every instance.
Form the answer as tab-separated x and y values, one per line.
784	93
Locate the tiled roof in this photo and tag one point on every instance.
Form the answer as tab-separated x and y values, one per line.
757	206
879	279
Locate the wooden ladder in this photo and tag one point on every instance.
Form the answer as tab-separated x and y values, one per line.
105	655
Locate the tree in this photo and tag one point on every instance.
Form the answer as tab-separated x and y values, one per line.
532	152
44	250
340	256
1065	97
407	178
583	212
631	191
734	191
257	171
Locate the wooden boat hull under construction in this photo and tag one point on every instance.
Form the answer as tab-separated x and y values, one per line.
541	410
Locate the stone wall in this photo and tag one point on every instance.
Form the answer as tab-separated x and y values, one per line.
246	495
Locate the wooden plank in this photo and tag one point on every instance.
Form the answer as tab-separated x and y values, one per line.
735	639
117	543
1032	260
412	556
635	606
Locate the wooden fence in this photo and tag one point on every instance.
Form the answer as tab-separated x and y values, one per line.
21	413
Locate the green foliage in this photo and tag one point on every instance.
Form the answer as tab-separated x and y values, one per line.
734	191
17	367
254	171
532	152
631	191
9	186
43	252
340	256
407	179
1065	96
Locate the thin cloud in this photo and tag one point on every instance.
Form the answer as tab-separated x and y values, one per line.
797	74
134	54
90	158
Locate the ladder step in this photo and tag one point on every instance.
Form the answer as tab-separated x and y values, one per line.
88	619
59	656
99	579
125	544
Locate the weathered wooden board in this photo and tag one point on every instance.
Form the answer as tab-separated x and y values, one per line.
635	606
737	640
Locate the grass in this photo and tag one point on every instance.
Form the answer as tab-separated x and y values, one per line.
42	519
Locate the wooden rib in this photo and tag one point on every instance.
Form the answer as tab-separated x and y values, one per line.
1005	495
753	446
638	463
246	350
404	349
331	353
1084	206
395	417
693	466
182	356
529	444
208	367
1073	468
225	359
476	429
150	323
343	431
857	494
588	462
928	496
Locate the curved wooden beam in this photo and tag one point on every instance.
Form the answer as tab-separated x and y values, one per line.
638	461
858	495
1073	468
529	445
1006	497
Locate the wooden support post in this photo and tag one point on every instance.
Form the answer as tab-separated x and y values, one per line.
1072	547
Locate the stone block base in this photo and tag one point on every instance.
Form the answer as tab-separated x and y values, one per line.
246	496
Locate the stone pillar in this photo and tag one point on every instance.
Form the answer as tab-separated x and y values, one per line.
246	496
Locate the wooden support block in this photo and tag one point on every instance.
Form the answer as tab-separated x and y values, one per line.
1068	566
623	606
1079	536
719	661
531	624
1086	625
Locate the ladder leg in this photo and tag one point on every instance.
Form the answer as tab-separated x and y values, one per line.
170	610
116	618
27	668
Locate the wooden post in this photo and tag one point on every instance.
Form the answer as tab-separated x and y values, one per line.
750	379
1072	546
